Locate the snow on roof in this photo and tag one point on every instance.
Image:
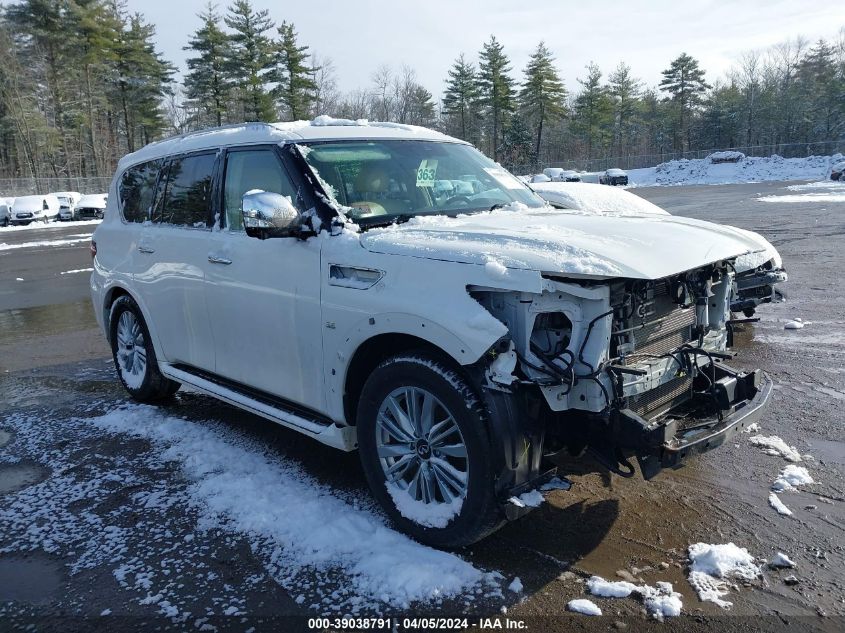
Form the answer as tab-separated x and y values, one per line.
322	128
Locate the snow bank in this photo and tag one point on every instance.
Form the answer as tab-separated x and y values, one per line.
46	227
582	605
711	566
749	169
791	477
8	247
303	524
773	445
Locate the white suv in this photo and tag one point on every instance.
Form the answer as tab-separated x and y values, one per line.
457	337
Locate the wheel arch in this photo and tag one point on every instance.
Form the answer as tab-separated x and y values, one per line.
373	351
111	295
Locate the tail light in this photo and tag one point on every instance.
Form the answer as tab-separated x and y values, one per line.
93	249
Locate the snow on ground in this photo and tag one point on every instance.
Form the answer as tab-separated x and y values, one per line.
76	270
791	477
516	585
329	551
806	197
531	499
781	560
52	225
794	324
712	566
659	601
8	247
582	605
750	169
773	445
778	505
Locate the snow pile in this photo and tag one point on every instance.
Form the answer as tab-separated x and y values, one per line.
660	601
32	226
711	566
294	520
516	585
749	169
436	515
556	483
754	427
582	605
778	505
781	560
791	477
773	445
795	324
40	243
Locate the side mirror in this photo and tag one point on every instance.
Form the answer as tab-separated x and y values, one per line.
268	214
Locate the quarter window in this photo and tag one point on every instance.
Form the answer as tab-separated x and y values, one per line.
137	190
251	170
187	195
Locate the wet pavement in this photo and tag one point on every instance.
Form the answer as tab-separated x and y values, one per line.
55	374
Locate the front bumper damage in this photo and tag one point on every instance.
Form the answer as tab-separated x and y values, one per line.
757	287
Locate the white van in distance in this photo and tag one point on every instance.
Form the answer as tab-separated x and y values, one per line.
323	275
28	209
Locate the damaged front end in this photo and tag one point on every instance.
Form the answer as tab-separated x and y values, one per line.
624	369
756	286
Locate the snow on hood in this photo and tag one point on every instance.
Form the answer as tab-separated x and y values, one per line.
593	198
92	200
563	242
602	200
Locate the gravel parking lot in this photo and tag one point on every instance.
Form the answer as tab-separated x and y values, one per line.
118	520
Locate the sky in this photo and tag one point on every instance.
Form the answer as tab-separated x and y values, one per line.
361	35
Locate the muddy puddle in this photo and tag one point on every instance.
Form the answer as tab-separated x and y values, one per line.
34	579
14	477
27	323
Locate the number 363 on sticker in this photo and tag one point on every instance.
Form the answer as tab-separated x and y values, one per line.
426	173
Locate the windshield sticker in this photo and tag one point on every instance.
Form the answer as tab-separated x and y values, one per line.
426	172
504	178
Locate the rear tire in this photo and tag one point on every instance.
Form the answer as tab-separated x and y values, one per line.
133	354
415	400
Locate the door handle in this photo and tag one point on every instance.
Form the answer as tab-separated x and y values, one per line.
214	259
145	249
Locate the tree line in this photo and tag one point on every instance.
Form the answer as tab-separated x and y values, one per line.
82	82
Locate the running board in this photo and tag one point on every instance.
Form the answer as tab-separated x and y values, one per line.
343	438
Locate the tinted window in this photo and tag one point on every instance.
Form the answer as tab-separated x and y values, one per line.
137	189
187	194
251	170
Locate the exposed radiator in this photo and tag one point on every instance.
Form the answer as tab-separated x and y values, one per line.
652	403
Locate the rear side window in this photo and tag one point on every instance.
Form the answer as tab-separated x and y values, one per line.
137	190
187	195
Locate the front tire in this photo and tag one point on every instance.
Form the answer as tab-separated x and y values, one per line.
426	453
133	354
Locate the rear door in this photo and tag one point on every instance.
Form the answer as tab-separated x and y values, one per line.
171	259
264	295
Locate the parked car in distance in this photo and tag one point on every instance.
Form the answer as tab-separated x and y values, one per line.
91	206
837	171
614	177
67	201
558	174
456	340
5	211
28	209
758	274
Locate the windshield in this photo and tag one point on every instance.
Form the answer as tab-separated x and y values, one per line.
385	181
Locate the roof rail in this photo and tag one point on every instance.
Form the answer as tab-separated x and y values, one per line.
228	126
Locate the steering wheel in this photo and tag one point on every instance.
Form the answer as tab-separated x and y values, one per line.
459	198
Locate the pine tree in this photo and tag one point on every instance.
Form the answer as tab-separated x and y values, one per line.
496	90
517	150
208	87
624	91
141	80
592	109
250	59
542	97
460	101
420	107
824	88
684	81
296	88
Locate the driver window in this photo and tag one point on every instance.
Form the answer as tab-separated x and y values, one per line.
249	170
